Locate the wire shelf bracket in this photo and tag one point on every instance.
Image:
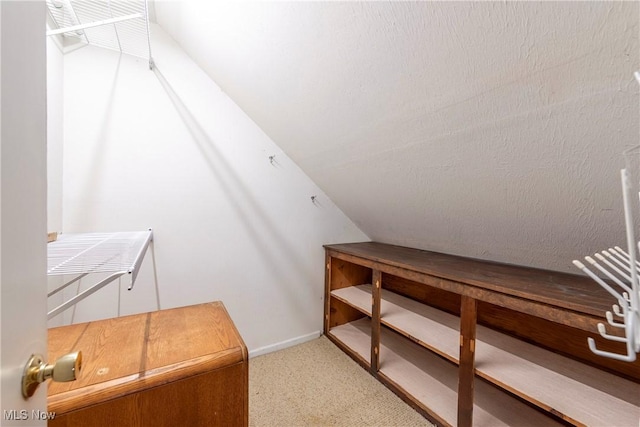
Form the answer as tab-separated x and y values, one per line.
115	254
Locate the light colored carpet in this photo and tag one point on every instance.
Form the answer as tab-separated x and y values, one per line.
316	384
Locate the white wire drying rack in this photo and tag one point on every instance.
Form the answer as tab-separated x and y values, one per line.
116	254
622	269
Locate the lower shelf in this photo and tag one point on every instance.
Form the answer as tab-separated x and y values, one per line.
580	394
431	382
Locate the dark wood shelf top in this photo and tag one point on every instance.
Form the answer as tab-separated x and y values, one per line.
556	289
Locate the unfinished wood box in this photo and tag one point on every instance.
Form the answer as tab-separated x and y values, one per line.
184	366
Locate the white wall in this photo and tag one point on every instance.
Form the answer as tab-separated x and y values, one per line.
486	129
169	150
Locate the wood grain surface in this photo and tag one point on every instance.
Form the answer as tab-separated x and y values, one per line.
469	310
432	299
574	292
132	364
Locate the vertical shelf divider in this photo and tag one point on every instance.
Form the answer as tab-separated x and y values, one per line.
468	317
327	291
375	321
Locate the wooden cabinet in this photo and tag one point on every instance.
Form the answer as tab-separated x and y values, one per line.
185	366
469	342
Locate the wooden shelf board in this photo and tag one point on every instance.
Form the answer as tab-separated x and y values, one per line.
577	392
355	337
431	328
358	297
413	368
554	289
432	381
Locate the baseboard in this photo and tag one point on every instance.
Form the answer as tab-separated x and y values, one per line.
284	344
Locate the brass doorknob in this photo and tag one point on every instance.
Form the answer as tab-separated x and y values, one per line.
37	371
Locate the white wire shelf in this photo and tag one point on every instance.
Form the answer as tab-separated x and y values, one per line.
82	254
121	25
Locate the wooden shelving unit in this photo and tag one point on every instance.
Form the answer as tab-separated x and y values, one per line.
459	356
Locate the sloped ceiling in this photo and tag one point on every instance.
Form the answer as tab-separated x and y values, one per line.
486	129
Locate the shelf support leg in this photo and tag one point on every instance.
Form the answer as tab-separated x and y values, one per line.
327	292
468	316
375	321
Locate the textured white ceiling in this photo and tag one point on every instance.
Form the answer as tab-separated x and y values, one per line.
485	129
